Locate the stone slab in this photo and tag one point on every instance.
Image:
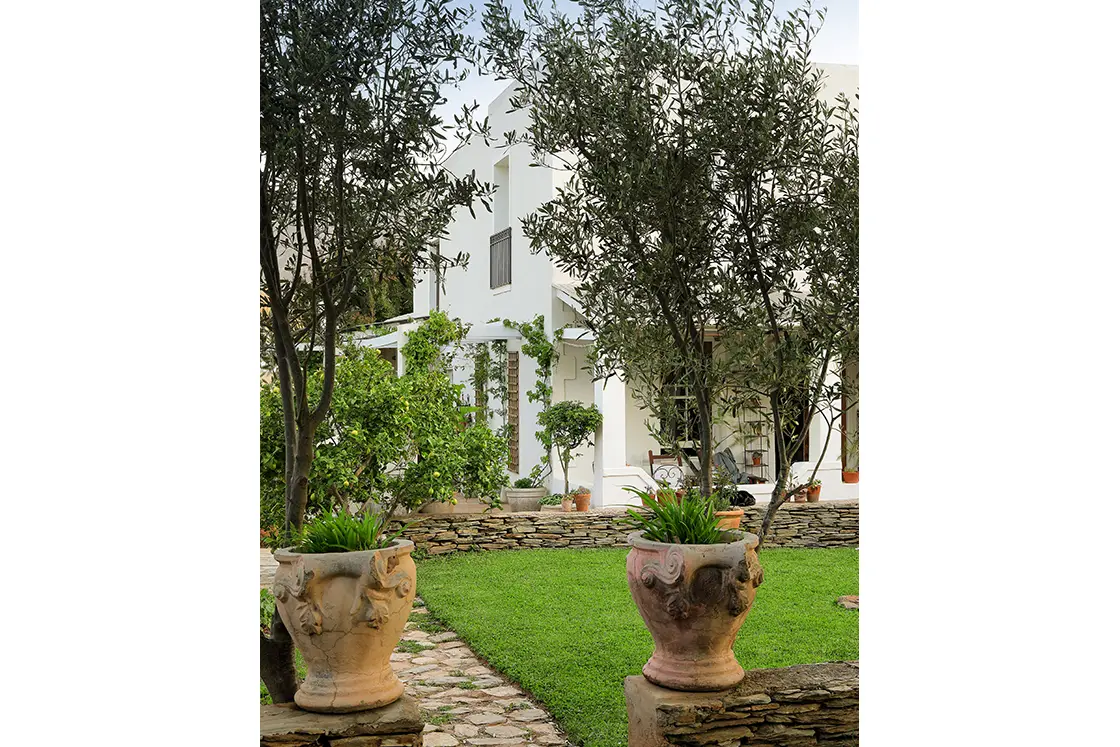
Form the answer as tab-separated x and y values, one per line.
281	723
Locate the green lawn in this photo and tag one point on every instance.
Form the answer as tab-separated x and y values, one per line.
562	624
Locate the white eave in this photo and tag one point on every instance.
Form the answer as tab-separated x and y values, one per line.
566	292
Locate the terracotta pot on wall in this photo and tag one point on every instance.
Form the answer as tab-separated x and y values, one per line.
799	497
756	461
693	599
346	612
814	494
566	503
850	477
583	501
730	519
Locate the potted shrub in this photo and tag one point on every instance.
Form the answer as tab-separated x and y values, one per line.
813	492
756	458
345	592
582	497
524	495
693	584
568	426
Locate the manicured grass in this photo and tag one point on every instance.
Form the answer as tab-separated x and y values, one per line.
563	625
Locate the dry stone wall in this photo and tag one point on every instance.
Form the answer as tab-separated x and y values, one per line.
826	524
803	706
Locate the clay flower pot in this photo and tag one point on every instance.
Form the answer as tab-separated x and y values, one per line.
346	612
814	494
583	501
693	599
566	503
730	519
850	477
756	461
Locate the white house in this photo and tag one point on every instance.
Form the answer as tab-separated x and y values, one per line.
504	280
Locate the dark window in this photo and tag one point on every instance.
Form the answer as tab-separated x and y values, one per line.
500	259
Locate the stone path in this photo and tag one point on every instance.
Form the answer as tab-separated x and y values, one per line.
464	702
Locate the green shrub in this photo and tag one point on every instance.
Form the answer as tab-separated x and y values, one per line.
523	483
567	426
346	533
689	521
268	608
553	499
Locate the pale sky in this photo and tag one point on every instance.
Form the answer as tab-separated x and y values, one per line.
837	42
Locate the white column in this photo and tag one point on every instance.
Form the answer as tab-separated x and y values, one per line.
819	430
610	444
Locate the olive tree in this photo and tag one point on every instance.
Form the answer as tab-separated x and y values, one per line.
700	211
352	186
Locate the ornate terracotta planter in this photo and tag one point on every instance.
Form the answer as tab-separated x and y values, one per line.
583	501
346	612
850	477
730	519
693	599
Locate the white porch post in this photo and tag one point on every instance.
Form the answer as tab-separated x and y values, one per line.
610	444
818	430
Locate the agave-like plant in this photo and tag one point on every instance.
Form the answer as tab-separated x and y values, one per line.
342	532
691	521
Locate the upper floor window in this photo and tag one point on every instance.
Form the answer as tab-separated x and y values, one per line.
500	258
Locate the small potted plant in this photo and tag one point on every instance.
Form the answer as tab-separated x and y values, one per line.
813	492
582	497
724	493
566	502
525	495
344	592
756	458
693	584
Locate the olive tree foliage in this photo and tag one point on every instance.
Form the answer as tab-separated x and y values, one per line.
697	215
352	187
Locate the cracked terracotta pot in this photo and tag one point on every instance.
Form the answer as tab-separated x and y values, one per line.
693	599
346	612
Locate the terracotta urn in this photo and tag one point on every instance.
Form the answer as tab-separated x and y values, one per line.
346	612
730	519
583	501
693	599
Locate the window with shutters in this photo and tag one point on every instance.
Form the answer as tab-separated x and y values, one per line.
513	411
500	269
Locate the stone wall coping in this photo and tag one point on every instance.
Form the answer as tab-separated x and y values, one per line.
612	511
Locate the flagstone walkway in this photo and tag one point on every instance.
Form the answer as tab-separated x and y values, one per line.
465	703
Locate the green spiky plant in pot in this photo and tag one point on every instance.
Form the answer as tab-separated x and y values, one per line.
693	583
